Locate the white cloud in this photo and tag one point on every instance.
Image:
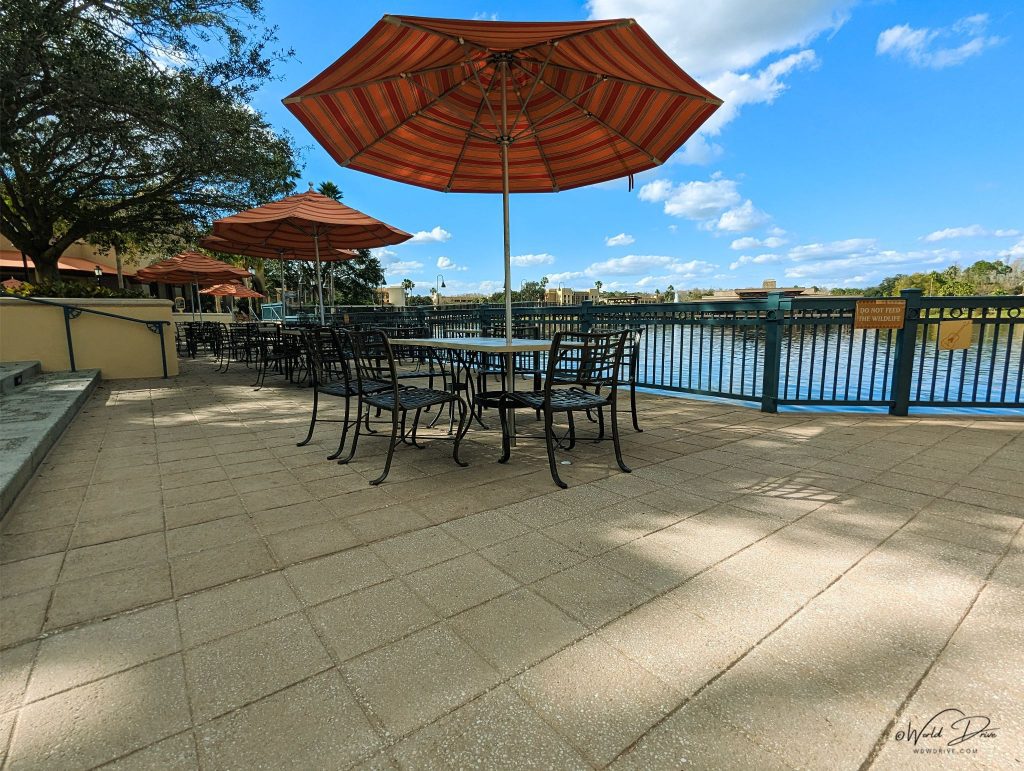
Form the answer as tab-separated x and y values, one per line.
825	270
622	239
529	260
485	16
831	250
970	231
760	259
742	218
716	204
741	88
639	264
565	276
749	242
1015	251
721	43
444	263
403	266
939	47
698	151
437	235
708	39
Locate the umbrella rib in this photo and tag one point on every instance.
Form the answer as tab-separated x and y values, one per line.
540	147
376	82
612	24
572	100
416	113
437	98
465	143
483	95
637	83
611	129
533	88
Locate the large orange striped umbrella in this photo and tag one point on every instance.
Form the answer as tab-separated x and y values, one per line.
477	106
296	221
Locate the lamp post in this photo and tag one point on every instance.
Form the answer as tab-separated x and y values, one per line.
98	272
439	284
561	297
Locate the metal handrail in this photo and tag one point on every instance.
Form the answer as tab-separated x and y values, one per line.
74	311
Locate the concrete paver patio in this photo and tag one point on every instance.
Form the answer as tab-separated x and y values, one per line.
183	587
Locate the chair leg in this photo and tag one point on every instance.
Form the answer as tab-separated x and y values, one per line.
464	421
312	421
549	440
632	406
506	442
615	439
391	447
344	432
572	431
355	437
415	425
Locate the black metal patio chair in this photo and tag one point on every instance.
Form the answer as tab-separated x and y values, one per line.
330	358
579	366
374	362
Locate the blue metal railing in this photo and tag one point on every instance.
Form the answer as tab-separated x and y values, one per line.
72	312
785	350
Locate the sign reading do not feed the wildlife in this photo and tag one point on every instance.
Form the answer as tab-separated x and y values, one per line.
879	314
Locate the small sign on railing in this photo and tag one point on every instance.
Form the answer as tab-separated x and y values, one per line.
879	314
955	335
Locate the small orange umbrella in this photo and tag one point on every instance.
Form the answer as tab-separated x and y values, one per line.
231	289
190	268
305	254
12	283
294	222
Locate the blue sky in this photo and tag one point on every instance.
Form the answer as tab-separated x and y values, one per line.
857	140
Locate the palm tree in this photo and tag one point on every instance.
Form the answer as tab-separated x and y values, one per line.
331	190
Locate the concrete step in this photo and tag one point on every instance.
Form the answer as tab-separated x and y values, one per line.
34	415
13	374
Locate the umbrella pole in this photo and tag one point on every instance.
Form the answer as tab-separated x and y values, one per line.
284	294
199	301
319	277
510	359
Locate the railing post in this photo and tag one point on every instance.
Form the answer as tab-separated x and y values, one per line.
774	316
586	315
68	315
903	358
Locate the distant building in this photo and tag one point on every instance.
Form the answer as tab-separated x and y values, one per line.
630	298
391	295
567	296
457	299
761	292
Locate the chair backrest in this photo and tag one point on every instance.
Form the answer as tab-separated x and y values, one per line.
373	358
585	358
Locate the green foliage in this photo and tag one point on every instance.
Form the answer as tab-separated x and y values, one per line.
529	291
330	189
127	121
983	277
51	288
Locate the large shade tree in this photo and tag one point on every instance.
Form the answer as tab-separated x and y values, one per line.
119	125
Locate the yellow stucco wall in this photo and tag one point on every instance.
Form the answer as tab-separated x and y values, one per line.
118	348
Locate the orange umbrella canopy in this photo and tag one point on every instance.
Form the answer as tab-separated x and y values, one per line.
231	289
12	283
306	223
218	244
430	102
190	268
